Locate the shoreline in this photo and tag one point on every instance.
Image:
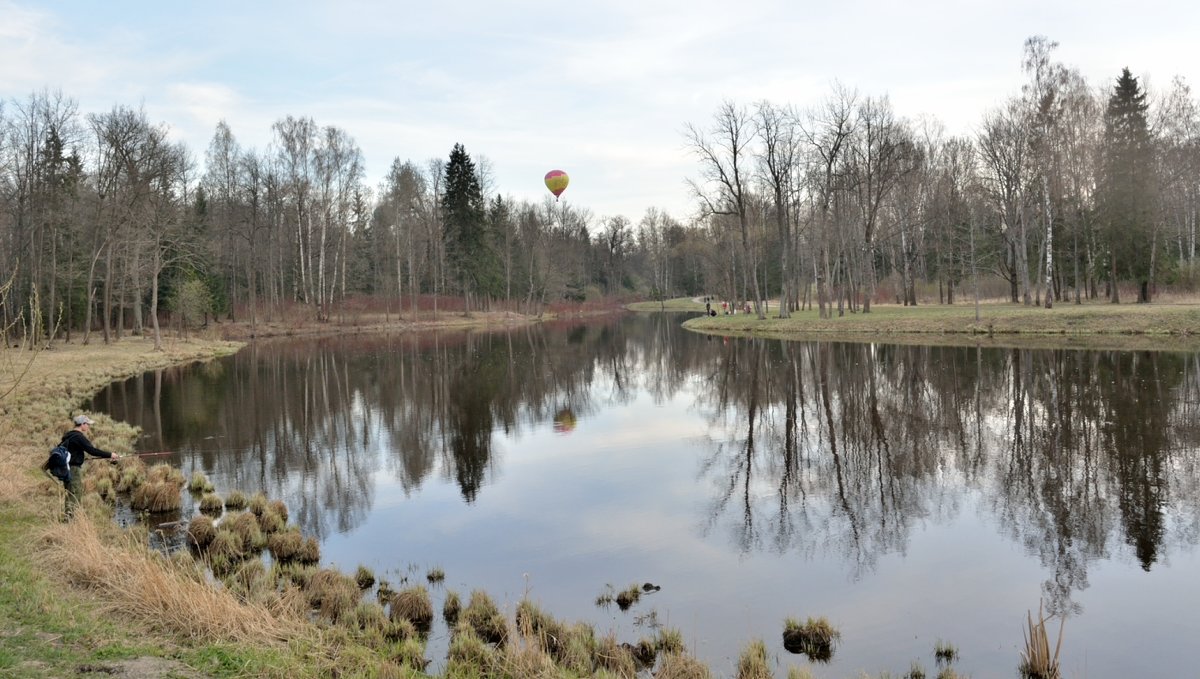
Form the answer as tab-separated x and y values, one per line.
1131	327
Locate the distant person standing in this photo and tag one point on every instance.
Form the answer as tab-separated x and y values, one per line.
76	441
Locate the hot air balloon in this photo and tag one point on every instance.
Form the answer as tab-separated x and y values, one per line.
556	181
564	421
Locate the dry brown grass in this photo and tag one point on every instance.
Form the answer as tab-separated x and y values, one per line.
752	664
679	666
485	619
414	605
130	580
1037	661
280	509
201	531
156	496
333	594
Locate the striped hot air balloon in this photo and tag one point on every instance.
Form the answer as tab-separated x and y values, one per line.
556	181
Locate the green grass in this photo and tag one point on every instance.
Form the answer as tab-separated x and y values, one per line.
48	629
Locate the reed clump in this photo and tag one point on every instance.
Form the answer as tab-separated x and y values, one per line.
258	503
285	546
815	638
435	575
414	605
333	594
310	551
245	526
132	476
365	577
201	531
451	607
629	596
211	503
163	472
410	653
1037	660
485	619
270	522
199	483
156	496
670	641
280	508
469	655
680	666
944	652
236	499
752	663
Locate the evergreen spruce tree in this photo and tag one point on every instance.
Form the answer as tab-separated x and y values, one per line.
465	215
1127	186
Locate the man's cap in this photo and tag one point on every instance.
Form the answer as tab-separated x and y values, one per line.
82	419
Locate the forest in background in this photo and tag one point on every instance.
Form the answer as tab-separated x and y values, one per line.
1067	191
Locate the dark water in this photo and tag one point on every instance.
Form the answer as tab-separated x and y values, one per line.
909	494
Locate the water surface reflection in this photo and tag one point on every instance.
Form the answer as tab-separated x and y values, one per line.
908	493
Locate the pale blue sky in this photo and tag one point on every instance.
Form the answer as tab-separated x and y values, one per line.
600	90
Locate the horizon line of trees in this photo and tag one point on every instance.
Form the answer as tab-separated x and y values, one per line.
1066	191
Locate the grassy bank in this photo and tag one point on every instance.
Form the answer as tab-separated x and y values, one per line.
1126	326
676	304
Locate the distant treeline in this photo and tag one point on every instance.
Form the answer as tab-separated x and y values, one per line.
1067	192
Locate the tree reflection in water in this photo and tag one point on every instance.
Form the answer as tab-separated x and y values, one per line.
836	447
813	448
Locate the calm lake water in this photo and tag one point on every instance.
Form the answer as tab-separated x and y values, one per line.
909	494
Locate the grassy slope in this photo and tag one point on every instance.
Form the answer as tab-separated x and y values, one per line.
49	628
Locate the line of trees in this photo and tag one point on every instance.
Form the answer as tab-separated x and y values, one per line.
1064	191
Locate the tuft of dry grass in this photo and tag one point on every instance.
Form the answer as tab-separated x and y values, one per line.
815	638
451	607
1037	662
211	503
285	546
199	483
270	522
236	499
679	666
435	575
310	551
258	503
629	596
332	593
614	657
365	577
134	582
156	496
279	508
944	652
414	605
201	531
752	663
485	619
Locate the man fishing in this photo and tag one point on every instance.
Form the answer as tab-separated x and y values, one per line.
76	441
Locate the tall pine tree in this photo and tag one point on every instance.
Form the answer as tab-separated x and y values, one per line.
469	249
1127	187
